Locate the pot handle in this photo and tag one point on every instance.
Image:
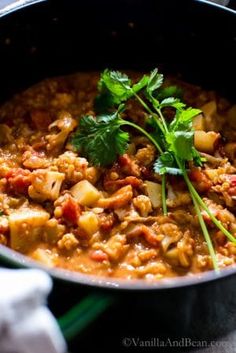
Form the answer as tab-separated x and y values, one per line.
82	314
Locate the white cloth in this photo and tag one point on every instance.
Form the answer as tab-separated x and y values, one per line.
26	324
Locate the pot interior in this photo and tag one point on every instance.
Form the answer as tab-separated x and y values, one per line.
51	38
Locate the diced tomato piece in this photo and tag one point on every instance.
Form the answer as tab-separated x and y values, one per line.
202	182
124	160
129	166
71	211
231	179
232	191
18	180
98	255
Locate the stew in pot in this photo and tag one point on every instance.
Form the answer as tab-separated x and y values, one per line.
132	179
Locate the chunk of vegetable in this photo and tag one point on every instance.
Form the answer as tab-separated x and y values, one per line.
88	221
53	230
68	242
46	185
205	141
44	256
71	210
65	124
117	200
26	227
209	109
85	193
199	122
143	204
153	191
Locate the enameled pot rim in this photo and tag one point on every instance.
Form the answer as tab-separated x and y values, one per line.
16	259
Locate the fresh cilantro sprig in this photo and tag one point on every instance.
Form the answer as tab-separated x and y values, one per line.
115	88
102	139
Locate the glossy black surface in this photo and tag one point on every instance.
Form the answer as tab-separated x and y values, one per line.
187	37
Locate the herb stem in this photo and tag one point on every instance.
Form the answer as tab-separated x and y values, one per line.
163	180
162	119
198	211
195	198
205	233
141	101
204	206
155	143
164	130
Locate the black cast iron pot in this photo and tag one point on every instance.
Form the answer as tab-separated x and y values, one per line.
196	39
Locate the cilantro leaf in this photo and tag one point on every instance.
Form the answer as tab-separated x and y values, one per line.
140	84
172	102
114	88
103	102
183	119
181	143
166	164
197	157
101	140
117	83
155	82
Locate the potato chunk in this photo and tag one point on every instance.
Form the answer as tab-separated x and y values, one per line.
153	191
46	185
26	227
88	221
205	141
85	193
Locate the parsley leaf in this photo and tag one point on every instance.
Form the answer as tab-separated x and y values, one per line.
155	81
172	102
140	84
114	88
117	83
166	164
101	140
181	143
183	119
103	102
